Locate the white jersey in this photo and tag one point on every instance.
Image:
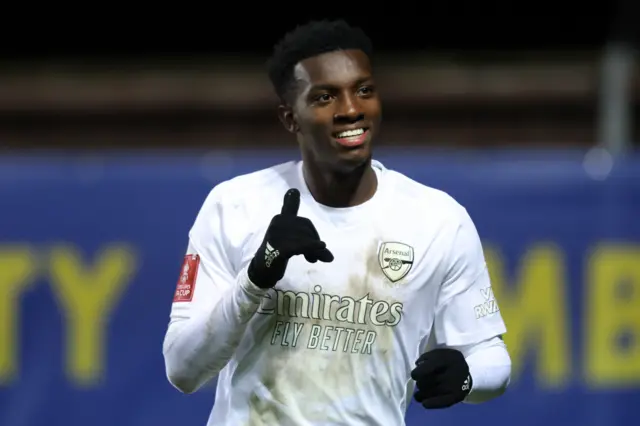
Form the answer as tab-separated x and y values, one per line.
334	343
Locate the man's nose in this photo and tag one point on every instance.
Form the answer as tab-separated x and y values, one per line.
348	110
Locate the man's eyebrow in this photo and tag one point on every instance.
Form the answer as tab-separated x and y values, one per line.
329	86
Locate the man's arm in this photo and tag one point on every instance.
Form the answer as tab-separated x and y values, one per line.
468	318
212	305
214	302
469	354
490	368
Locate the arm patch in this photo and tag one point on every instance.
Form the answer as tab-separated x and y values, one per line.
186	285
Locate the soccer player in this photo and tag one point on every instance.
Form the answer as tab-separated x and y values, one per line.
333	290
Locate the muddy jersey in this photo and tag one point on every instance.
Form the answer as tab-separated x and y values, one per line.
334	343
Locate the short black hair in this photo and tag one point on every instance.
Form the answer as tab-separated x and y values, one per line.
309	40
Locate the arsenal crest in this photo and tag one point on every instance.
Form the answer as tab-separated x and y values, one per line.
396	260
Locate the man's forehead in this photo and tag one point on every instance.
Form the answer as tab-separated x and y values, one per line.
338	67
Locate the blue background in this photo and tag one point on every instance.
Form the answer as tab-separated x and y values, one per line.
149	202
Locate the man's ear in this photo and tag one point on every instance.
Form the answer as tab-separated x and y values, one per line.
286	116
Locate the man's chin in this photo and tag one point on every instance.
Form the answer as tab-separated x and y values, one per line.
352	160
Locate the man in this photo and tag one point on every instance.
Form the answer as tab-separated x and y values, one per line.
323	292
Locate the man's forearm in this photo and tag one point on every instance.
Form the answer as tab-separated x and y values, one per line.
490	369
197	348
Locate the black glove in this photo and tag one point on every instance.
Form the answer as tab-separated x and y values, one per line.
442	378
288	235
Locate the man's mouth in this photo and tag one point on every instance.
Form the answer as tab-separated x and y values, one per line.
351	138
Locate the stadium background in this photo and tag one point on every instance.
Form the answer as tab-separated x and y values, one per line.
109	148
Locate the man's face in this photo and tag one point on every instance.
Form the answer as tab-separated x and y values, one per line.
335	110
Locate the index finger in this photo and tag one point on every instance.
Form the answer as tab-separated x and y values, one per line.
291	203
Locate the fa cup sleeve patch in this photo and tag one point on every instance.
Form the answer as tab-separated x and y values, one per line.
187	281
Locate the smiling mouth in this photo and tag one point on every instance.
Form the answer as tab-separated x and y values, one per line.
350	133
351	138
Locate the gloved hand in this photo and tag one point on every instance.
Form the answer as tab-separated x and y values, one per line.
442	378
288	235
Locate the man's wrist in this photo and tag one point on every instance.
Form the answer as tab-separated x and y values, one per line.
248	285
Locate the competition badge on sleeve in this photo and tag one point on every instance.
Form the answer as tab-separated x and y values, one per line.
187	281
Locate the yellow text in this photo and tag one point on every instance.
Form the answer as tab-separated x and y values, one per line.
86	290
612	326
534	304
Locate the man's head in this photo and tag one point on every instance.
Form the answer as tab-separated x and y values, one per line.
322	73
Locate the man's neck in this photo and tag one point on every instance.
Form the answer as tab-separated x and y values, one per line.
340	189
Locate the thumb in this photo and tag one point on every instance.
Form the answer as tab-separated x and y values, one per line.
291	203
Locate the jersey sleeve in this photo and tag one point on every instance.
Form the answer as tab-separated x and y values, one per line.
214	298
467	311
208	269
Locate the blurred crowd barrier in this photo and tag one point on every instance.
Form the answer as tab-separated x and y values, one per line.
450	100
91	246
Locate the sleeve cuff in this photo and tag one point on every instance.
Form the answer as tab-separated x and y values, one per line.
252	291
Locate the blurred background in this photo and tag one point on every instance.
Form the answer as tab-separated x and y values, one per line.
112	134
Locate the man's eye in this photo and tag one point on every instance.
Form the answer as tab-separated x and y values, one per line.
323	98
366	90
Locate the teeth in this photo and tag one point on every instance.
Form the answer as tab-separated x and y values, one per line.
350	133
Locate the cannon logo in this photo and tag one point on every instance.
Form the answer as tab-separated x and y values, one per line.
396	260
